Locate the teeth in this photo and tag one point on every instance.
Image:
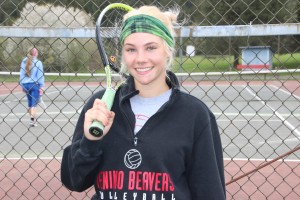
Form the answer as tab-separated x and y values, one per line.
143	69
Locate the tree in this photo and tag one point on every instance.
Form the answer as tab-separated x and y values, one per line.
246	12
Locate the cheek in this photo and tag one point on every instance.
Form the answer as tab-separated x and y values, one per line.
160	59
128	60
164	56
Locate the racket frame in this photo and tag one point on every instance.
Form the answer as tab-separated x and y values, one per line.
96	128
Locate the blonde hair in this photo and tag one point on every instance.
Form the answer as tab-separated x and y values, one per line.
31	52
168	18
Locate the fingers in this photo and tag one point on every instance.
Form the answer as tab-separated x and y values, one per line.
110	122
98	112
41	91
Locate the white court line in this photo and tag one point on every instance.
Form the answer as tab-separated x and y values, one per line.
286	92
24	97
252	114
39	113
32	158
281	141
45	120
261	160
215	113
288	124
227	159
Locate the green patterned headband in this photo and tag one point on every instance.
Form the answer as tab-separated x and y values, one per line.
146	24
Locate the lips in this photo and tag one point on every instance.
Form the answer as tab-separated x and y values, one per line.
145	69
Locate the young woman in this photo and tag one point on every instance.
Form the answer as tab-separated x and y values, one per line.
32	81
158	142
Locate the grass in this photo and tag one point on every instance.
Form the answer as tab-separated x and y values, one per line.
203	64
187	64
287	61
225	63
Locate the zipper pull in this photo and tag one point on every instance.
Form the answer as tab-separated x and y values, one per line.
135	141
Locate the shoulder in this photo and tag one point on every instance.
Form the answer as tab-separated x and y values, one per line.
24	60
197	111
191	101
37	61
193	107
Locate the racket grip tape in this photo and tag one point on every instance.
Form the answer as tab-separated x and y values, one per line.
96	128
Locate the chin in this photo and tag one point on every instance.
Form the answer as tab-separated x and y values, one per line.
143	81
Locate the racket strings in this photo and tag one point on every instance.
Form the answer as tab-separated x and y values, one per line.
110	31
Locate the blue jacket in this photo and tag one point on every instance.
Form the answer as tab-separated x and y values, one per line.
176	155
36	72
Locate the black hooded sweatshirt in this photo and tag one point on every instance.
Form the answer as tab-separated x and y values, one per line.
177	155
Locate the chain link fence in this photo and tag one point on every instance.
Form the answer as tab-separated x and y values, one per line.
242	58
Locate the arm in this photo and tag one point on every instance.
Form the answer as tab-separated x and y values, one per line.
40	75
206	177
80	160
22	72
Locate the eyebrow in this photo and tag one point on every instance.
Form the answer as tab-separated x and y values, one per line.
149	43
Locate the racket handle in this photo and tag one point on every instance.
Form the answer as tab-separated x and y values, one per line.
96	128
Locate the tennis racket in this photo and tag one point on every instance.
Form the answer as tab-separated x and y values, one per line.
107	38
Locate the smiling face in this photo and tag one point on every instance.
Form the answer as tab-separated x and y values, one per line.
146	58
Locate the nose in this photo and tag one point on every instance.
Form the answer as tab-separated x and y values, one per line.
141	57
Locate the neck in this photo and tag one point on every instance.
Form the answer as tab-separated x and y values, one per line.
149	91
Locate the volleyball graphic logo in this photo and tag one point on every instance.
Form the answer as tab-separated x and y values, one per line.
133	159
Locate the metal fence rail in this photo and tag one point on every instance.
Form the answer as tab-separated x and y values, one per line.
257	109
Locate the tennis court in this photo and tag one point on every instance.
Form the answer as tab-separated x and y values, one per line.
256	100
255	128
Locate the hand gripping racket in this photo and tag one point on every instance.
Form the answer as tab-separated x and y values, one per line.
107	33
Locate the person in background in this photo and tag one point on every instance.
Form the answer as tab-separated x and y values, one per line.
158	142
32	81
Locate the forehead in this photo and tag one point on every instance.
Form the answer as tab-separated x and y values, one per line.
141	38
